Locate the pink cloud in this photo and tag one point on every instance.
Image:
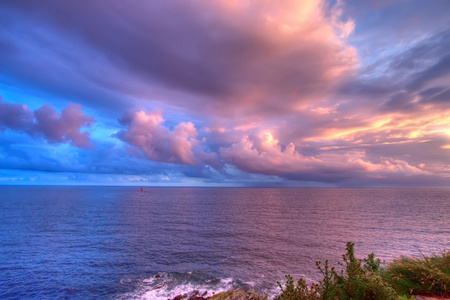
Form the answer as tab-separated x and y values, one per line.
265	155
64	127
239	68
147	134
46	122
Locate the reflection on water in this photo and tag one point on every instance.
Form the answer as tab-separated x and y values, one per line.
101	241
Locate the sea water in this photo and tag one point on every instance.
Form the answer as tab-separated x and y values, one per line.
121	243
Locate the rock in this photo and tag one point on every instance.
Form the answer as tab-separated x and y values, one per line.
195	295
238	295
230	295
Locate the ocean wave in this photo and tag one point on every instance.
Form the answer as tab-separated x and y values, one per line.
165	286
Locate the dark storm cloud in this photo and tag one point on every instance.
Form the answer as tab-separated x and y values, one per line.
228	56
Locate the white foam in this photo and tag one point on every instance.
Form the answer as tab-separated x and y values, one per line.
273	292
180	290
165	287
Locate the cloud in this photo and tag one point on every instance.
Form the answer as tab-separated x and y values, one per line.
354	92
147	135
228	57
46	122
15	116
401	101
399	76
266	156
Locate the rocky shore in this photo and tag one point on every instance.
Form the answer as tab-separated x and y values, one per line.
230	295
251	295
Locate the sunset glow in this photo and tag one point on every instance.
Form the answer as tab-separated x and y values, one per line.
225	93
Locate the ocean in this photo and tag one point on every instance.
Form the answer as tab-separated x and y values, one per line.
121	243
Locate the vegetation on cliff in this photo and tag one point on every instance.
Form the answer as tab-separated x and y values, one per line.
365	279
426	276
360	279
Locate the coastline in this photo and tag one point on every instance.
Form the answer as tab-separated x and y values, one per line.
405	278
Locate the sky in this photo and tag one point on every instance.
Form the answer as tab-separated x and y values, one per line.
225	93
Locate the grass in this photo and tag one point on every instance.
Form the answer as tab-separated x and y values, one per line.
365	279
427	276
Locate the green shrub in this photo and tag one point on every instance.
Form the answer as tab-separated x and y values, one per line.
358	279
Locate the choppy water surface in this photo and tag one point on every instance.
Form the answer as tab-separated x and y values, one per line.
109	242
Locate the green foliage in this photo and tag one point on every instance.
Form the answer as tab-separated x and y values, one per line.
427	276
299	291
358	279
